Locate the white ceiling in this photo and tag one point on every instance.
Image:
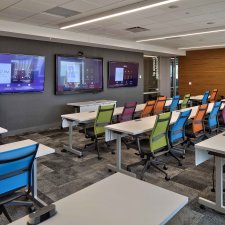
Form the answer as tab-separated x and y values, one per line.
189	16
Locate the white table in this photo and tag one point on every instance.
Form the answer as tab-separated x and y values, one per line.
137	127
216	146
3	130
74	119
42	151
117	200
90	105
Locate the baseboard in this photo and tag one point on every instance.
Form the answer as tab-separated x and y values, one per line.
32	129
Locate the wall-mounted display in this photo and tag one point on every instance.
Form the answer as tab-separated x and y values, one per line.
78	74
21	73
122	74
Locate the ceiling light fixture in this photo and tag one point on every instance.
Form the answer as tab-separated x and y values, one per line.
204	46
182	35
119	14
150	56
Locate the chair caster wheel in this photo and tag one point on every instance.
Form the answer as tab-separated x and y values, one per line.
79	156
31	209
99	158
64	150
165	167
113	153
202	207
213	190
182	157
109	170
179	164
167	178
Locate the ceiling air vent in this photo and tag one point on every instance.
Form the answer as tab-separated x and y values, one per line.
136	29
59	11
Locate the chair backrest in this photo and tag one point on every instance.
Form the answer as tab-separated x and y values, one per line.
213	95
185	101
148	109
128	112
16	168
198	121
223	114
104	118
205	98
159	105
177	130
213	116
159	136
175	103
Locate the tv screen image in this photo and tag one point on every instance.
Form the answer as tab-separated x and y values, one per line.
78	74
21	73
122	74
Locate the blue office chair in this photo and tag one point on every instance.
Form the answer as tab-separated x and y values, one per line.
212	122
205	98
174	104
16	168
177	133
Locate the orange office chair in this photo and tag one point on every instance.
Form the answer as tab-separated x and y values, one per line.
148	109
213	95
196	130
160	104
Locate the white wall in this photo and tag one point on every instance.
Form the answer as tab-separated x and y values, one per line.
164	76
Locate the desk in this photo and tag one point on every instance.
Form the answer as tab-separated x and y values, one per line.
74	119
90	105
216	146
137	127
117	200
42	151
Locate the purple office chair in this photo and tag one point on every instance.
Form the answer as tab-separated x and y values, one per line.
128	112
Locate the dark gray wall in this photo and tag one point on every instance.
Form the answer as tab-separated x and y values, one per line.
29	111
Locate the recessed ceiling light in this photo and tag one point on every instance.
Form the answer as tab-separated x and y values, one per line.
137	9
182	35
173	6
203	46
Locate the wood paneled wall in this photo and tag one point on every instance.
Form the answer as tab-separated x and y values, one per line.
205	69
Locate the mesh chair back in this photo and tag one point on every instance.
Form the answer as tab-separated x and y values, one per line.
213	95
198	121
159	135
175	103
184	104
177	130
160	104
104	118
147	111
205	98
128	111
213	116
16	168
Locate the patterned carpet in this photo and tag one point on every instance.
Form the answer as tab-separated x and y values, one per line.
62	174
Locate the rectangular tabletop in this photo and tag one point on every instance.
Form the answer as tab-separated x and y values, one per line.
42	150
3	130
213	144
78	104
117	200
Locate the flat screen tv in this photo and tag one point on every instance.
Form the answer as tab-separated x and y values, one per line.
122	74
21	73
78	74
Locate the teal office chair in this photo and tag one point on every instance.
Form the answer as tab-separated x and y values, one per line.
16	168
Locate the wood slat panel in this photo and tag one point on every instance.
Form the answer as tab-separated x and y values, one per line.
205	69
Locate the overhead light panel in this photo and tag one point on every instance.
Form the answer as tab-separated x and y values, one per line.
182	35
201	47
119	14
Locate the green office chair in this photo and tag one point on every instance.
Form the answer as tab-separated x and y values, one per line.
156	145
184	104
104	118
